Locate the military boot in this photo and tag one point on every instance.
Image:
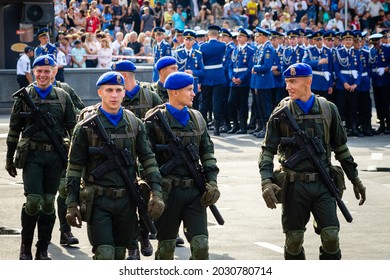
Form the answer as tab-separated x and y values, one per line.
133	253
41	253
28	228
326	256
25	251
146	246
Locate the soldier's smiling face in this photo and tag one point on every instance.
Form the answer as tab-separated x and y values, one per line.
43	75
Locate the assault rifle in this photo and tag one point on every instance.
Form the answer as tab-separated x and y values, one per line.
309	148
182	155
42	121
120	160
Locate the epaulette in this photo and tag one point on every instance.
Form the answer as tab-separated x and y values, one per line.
198	51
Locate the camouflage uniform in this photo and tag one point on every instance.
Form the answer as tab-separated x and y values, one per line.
43	169
181	197
304	192
110	228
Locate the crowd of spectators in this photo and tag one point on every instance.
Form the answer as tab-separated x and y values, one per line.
93	33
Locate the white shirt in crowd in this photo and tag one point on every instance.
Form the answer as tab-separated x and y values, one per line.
24	65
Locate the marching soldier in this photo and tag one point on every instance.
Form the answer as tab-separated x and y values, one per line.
40	153
348	70
165	66
190	60
300	188
161	48
184	201
138	98
240	69
262	78
380	61
104	200
320	58
213	81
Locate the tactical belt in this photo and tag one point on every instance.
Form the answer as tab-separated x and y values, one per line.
41	146
182	183
110	192
304	177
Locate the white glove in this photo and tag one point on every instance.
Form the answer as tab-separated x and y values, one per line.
354	74
380	71
327	76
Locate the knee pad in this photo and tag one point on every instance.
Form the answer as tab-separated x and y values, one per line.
330	240
33	204
200	247
294	242
120	253
104	252
165	249
47	203
62	188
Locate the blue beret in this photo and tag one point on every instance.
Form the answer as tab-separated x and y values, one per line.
43	60
214	27
111	78
292	33
298	70
225	32
164	62
123	65
317	34
328	34
375	38
178	80
42	32
188	33
158	29
262	31
348	34
243	32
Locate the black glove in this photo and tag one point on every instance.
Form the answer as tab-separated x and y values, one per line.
10	167
359	190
